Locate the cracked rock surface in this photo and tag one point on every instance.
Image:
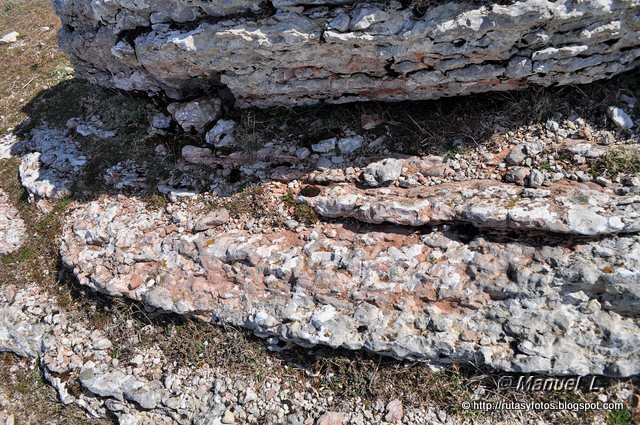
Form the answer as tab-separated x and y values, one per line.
567	306
77	360
301	52
12	229
566	207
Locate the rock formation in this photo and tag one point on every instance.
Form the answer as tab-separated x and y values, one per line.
423	293
445	260
302	52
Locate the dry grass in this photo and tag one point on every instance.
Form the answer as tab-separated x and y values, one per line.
37	259
431	127
34	62
617	161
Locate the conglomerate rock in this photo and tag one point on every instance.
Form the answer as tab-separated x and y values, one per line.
560	305
306	51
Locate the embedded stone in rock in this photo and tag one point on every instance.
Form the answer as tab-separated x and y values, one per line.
418	294
12	228
571	208
293	55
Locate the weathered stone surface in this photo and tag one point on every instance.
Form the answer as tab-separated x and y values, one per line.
285	54
53	161
620	118
195	115
20	332
568	306
572	208
12	228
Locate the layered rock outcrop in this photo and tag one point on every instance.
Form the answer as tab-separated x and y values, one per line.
558	305
302	52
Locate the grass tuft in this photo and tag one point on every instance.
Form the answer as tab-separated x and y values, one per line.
617	161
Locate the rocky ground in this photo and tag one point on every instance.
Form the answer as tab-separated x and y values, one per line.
515	253
360	264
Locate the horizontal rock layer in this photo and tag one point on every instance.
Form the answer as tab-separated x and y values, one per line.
302	52
566	207
443	294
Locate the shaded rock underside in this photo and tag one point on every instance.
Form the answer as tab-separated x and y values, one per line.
302	52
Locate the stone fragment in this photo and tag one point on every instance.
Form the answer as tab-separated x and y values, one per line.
383	172
395	411
9	38
92	126
197	155
98	380
620	118
367	16
324	146
228	417
340	22
161	121
303	153
350	144
536	193
222	134
535	178
586	150
195	115
332	418
517	175
211	220
516	155
552	126
176	193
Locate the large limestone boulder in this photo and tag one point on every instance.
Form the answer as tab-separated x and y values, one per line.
302	52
